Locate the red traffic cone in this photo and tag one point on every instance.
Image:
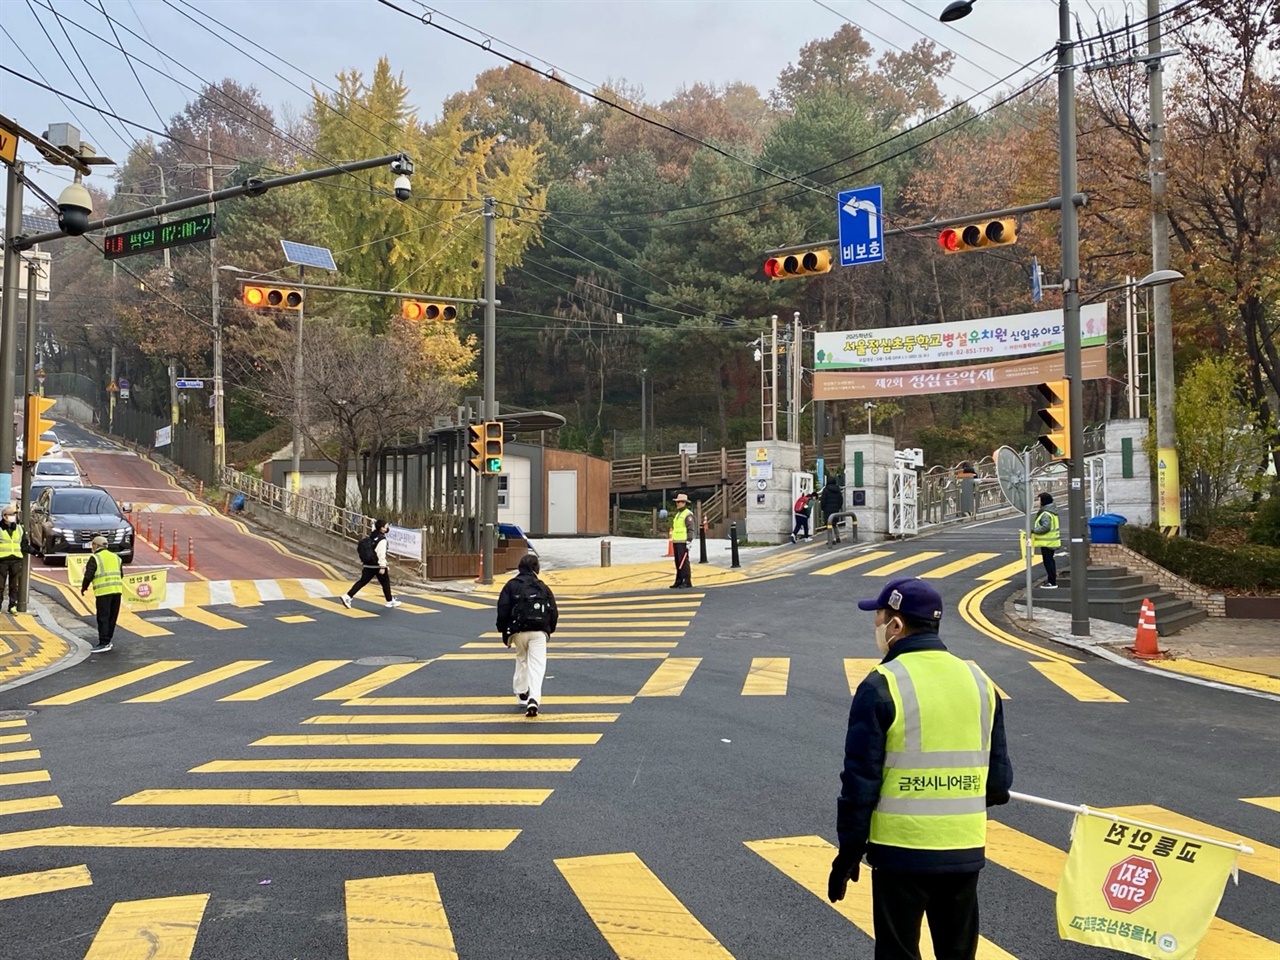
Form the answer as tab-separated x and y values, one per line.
671	550
1145	644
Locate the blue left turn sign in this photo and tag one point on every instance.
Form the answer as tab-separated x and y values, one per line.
858	213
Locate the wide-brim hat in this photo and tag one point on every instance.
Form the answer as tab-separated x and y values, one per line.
682	498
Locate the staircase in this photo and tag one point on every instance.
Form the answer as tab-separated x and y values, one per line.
1116	595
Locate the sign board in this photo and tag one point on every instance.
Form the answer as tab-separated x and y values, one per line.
27	258
761	471
160	236
1037	284
189	384
163	436
124	388
858	215
762	454
404	542
690	448
8	145
40	377
112	387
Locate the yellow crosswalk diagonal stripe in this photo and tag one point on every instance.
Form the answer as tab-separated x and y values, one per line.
392	765
856	670
44	881
427	739
639	917
285	681
260	838
901	564
354	797
451	601
849	564
400	916
767	677
15	738
29	805
417	719
1042	864
957	566
80	694
1075	682
334	606
374	681
1009	570
14	756
128	620
163	929
1270	803
24	776
670	678
199	681
208	618
1264	863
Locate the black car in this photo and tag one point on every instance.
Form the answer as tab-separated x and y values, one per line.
64	520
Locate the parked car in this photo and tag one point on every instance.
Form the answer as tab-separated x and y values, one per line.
64	520
57	472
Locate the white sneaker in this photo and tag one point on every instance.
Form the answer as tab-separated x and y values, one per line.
393	603
1048	586
346	601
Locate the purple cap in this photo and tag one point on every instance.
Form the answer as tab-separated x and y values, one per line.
908	595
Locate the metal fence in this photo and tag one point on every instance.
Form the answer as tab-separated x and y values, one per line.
188	446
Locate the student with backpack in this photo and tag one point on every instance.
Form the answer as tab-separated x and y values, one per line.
527	617
372	551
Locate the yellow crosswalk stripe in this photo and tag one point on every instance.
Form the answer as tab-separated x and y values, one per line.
44	881
451	601
161	929
128	620
29	805
644	600
1042	864
392	765
24	776
807	861
207	618
1075	682
297	618
589	645
956	566
80	694
572	617
407	607
428	739
373	681
639	917
12	724
843	565
334	606
625	655
508	700
355	797
669	679
856	670
199	681
1009	570
285	681
1270	803
14	755
612	632
901	564
259	838
245	594
15	738
1264	863
767	677
400	917
289	589
360	719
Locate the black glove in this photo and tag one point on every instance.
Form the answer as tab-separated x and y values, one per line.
845	867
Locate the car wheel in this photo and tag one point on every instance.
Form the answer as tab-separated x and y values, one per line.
127	557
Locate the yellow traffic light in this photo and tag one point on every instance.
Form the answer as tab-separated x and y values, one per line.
492	446
33	448
274	298
792	265
475	433
975	236
417	310
1055	418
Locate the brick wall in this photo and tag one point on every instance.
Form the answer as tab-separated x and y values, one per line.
1118	555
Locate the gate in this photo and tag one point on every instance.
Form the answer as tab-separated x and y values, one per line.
904	521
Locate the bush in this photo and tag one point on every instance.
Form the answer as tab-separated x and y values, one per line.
1266	525
1252	568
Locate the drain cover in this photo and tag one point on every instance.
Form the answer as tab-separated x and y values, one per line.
384	661
16	714
163	619
744	635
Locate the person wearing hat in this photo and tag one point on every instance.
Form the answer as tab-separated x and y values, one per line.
924	756
13	544
104	572
1046	533
683	528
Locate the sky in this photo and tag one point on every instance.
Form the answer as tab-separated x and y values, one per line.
658	45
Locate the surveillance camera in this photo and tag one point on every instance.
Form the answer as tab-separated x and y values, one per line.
402	164
403	188
74	209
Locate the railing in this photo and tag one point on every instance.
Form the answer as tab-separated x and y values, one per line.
723	501
320	514
680	470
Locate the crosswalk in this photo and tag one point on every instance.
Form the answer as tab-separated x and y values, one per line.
24	783
886	563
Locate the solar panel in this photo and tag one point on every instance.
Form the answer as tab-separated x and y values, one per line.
37	224
308	256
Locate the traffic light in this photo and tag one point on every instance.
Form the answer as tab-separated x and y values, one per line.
492	446
975	236
475	433
33	448
275	298
417	310
798	265
1055	418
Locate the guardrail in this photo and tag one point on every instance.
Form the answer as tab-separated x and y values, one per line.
678	470
321	514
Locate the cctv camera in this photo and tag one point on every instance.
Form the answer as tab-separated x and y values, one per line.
74	209
403	187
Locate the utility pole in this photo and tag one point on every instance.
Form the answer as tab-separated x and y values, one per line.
489	481
9	326
219	411
24	582
296	479
797	377
111	398
173	393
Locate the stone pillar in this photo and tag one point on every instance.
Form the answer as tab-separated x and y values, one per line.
769	500
868	460
1128	484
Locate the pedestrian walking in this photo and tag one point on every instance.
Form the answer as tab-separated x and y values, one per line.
105	573
924	756
13	544
527	616
683	528
372	551
1046	533
832	502
801	510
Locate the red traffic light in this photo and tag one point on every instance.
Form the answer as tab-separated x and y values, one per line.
798	265
949	240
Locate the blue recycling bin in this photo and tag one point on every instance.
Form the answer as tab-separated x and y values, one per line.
1105	528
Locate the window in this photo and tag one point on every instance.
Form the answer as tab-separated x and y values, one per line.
56	468
81	501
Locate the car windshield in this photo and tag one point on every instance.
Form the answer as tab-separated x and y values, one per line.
56	468
49	437
83	502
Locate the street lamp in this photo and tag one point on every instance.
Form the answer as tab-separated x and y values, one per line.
1157	278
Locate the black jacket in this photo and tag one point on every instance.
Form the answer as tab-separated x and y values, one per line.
832	499
506	598
870	716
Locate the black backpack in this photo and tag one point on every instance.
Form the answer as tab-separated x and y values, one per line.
366	551
531	607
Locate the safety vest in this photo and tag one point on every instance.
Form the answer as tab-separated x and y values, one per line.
1051	539
682	525
107	578
937	750
11	543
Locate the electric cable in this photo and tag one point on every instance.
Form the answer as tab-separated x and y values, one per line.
132	69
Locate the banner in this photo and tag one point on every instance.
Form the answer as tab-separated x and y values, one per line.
145	588
163	437
404	542
1133	889
985	339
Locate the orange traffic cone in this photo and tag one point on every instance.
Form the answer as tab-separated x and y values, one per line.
671	550
1144	643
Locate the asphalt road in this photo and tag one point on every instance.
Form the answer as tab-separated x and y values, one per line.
640	849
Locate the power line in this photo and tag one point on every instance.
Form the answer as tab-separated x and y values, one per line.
132	69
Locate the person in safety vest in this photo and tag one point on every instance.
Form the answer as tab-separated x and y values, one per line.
1047	535
683	528
924	757
103	571
13	544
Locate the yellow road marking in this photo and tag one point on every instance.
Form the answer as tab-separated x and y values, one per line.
1270	803
1209	671
407	607
767	677
1042	864
12	724
956	566
645	600
245	593
584	645
565	656
425	739
29	805
666	613
851	563
373	681
25	776
639	917
481	701
80	694
356	797
1076	683
670	677
401	917
161	929
451	601
392	765
335	606
258	838
297	618
208	618
12	755
15	738
807	861
44	881
199	681
360	719
1009	570
856	670
970	610
613	632
901	564
135	624
285	681
1264	863
291	589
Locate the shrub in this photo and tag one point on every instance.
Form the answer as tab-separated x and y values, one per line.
1244	568
1266	525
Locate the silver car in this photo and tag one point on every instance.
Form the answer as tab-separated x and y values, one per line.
57	472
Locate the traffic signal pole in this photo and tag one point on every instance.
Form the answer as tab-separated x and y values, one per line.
489	481
9	328
29	457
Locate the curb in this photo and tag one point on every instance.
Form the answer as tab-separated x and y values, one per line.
79	652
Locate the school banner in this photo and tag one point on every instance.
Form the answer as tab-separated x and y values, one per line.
1131	888
75	569
147	587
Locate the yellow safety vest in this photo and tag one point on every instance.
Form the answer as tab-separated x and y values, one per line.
682	525
1051	539
11	543
937	750
107	577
